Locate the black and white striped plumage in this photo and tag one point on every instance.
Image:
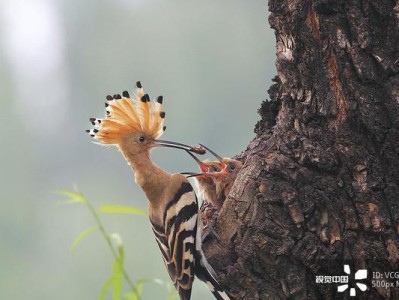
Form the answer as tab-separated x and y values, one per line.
176	236
179	239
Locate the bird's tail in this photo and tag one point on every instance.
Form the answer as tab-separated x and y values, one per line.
204	271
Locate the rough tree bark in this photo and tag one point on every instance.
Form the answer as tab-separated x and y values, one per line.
321	178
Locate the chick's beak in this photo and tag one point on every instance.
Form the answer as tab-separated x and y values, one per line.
220	159
202	166
194	174
170	144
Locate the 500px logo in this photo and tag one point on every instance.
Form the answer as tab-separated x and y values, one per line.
385	280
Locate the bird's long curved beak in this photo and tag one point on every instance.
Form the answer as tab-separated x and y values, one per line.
162	143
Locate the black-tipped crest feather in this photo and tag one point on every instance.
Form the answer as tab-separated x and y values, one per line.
124	115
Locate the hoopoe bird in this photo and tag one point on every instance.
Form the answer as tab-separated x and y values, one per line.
134	127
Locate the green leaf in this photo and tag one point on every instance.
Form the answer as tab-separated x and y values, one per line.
120	209
139	286
80	237
74	197
117	275
117	272
105	288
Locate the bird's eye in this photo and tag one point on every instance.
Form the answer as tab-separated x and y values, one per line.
232	167
215	169
141	139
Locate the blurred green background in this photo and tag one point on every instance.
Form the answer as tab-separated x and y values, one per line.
211	60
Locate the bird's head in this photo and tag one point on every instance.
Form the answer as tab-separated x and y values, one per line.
231	166
134	126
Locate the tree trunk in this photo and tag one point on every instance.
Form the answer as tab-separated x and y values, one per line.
320	184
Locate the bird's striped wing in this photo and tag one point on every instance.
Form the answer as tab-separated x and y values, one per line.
176	238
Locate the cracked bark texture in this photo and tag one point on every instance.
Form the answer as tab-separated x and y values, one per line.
321	178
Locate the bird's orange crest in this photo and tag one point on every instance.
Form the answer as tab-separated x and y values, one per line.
124	116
